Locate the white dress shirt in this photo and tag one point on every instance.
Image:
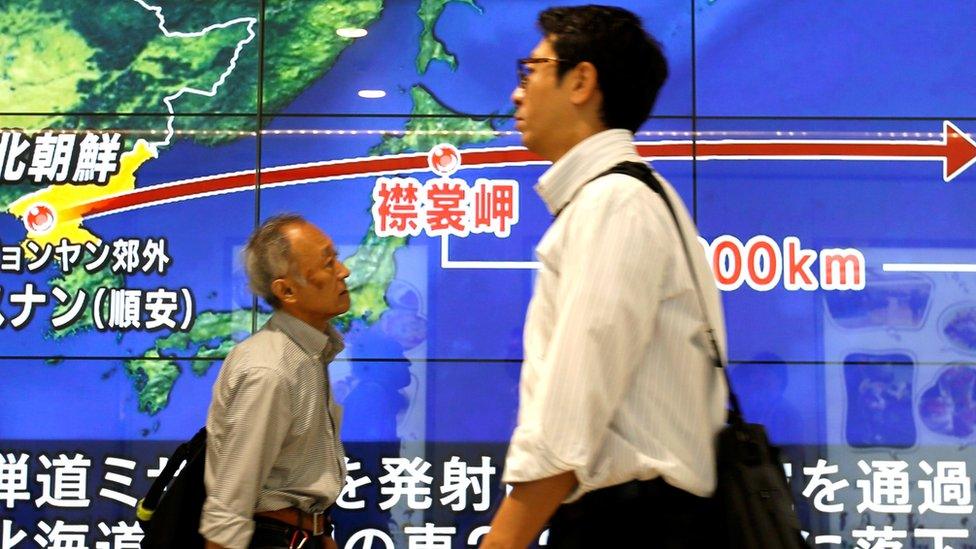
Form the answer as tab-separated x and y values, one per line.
617	381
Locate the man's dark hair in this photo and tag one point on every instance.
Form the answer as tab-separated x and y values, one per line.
630	65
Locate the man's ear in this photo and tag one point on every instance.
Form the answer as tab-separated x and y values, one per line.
584	83
283	290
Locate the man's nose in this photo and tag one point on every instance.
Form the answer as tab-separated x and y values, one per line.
343	270
517	94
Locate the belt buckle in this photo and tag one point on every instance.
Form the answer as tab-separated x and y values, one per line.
318	523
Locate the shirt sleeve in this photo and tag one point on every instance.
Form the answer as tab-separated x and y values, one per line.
246	427
610	266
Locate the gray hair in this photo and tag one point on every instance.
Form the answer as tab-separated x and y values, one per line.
267	255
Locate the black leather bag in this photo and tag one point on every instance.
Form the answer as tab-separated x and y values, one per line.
753	500
752	503
170	512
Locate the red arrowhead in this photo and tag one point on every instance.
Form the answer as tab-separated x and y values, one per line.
960	151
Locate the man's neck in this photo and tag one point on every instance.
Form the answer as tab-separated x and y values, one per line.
580	132
319	324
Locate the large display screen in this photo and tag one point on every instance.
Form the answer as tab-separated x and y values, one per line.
822	147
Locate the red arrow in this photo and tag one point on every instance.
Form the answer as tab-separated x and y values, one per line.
960	151
956	151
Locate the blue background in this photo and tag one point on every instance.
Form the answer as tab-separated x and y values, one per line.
742	70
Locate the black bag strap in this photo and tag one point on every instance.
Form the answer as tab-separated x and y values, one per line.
643	173
183	453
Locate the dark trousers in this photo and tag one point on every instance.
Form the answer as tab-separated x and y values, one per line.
649	513
271	534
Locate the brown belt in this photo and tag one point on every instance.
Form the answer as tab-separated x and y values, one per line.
316	523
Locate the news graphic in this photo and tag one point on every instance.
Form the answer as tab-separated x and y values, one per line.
827	160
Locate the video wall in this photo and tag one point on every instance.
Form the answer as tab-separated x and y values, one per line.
823	148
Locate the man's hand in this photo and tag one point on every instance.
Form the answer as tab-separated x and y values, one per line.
525	511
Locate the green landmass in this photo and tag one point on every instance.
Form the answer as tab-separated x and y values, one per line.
211	337
161	66
80	279
110	57
211	331
153	379
431	48
301	43
373	267
425	131
44	61
9	193
371	270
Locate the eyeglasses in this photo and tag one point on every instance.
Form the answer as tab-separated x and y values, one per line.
522	66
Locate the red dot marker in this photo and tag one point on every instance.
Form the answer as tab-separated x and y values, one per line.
444	159
40	218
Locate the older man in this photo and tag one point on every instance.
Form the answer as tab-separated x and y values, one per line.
274	462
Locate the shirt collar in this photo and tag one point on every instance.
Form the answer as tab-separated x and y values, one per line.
323	345
586	160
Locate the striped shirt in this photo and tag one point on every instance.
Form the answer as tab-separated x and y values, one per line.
617	380
272	430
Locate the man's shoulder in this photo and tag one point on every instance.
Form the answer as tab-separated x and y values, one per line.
619	192
265	349
266	339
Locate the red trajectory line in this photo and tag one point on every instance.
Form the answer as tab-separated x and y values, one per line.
957	152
